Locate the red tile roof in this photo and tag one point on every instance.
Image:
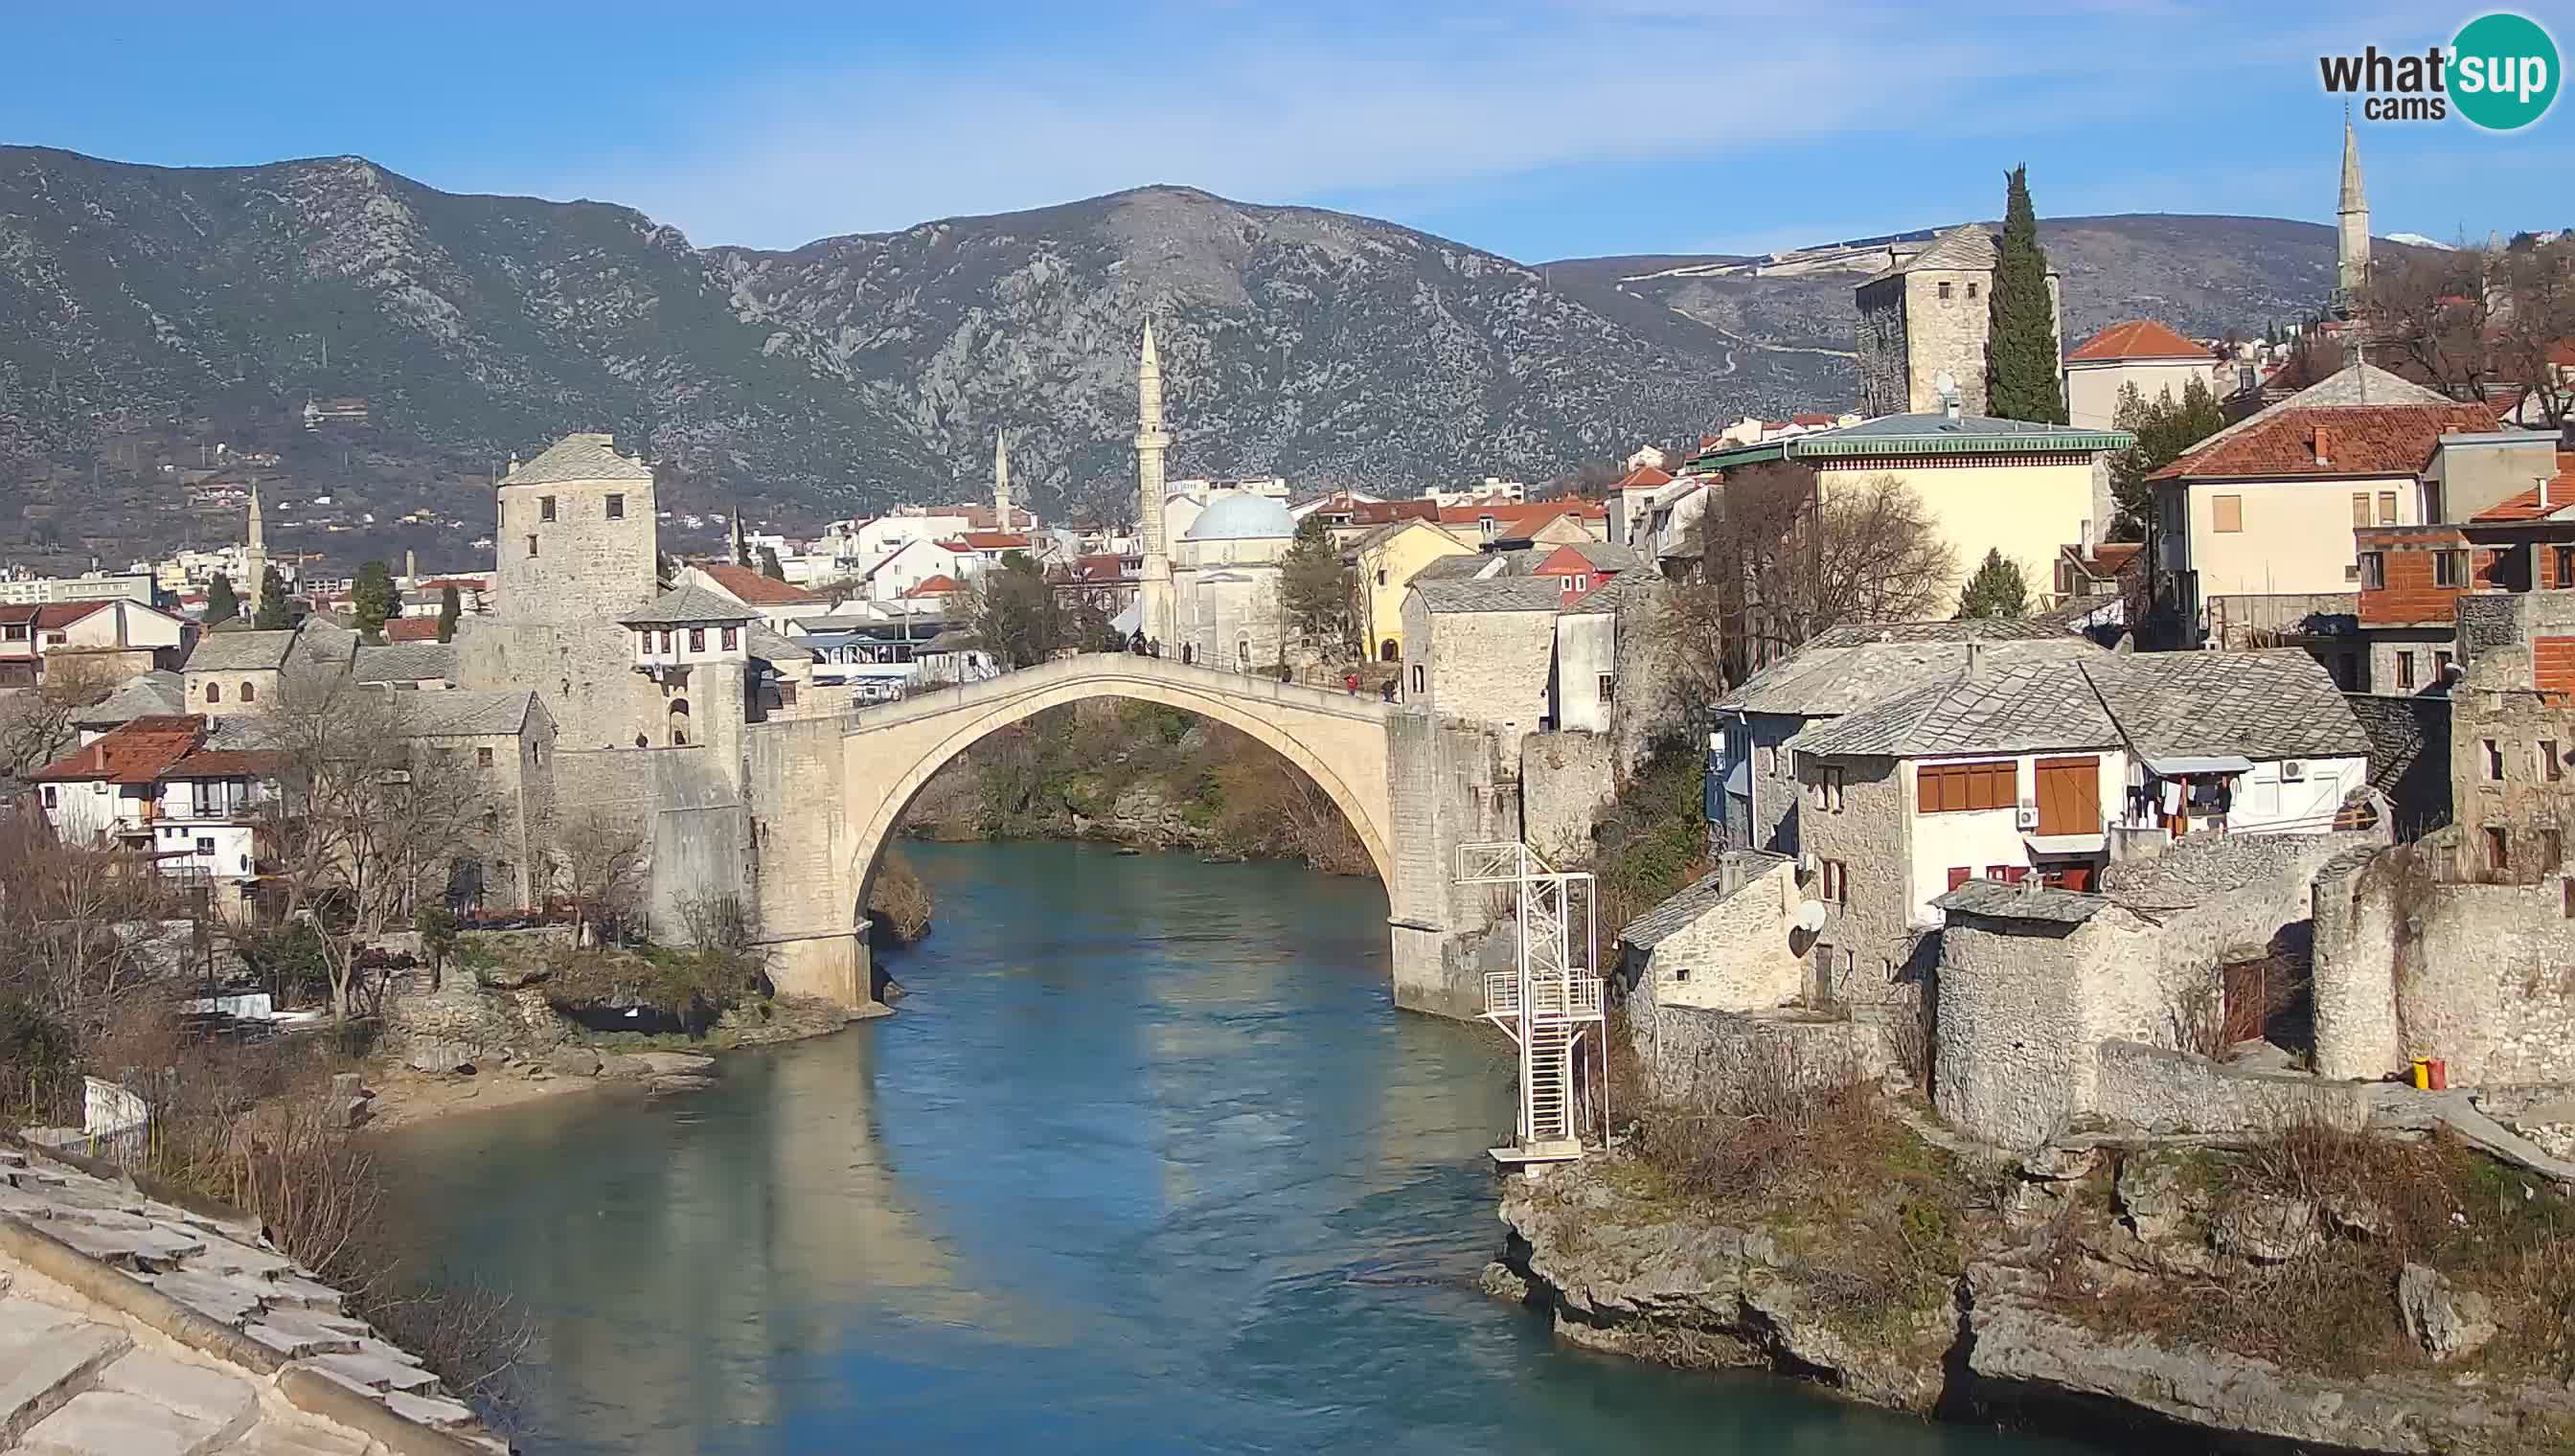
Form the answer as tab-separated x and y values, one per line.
938	586
1811	421
2357	440
2563	355
1520	520
751	589
2137	338
996	540
1380	513
223	763
48	613
411	628
1643	477
2526	506
138	752
1100	567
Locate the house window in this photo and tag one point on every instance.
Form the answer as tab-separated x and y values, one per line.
2565	566
205	845
1419	678
50	801
250	693
697	639
1828	790
2441	664
2498	848
1959	874
544	507
1608	685
644	640
482	757
2449	568
1380	576
1951	787
1971	293
2360	507
2373	570
214	692
1944	293
2228	513
2494	762
616	508
1770	760
2552	850
532	545
2387	507
1582	585
1836	882
731	638
2551	767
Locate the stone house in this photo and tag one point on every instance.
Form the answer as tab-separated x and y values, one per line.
2141	352
2056	1004
2046	770
506	740
1630	499
1482	651
1929	312
406	667
1388	557
1727	943
1753	788
2267	507
2010	486
235	671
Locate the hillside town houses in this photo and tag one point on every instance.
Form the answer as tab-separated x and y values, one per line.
2340	638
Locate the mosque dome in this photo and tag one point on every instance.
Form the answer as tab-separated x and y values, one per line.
1241	515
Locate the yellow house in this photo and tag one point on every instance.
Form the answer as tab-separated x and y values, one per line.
1389	559
2026	489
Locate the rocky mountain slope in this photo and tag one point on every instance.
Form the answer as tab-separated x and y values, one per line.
145	311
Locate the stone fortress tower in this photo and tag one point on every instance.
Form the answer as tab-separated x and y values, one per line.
1929	312
2352	231
1155	593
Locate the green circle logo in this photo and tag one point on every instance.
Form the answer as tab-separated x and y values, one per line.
2503	71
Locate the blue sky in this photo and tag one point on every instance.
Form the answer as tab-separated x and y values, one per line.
1536	130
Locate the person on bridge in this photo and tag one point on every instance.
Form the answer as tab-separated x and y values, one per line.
1350	683
1154	647
1135	643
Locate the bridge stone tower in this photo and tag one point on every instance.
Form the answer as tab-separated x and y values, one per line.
1155	593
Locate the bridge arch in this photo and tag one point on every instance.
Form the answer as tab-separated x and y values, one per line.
1336	739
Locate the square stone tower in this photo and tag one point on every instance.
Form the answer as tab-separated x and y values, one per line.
1928	313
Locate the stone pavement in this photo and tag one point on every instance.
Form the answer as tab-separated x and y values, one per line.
131	1327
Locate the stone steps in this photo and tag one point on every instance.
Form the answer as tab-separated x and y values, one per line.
48	1357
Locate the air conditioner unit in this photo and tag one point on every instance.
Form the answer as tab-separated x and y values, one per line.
2291	771
2028	818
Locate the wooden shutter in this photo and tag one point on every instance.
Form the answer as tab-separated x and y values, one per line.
1959	874
2069	796
2226	511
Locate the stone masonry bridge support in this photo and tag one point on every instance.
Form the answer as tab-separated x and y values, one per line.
826	795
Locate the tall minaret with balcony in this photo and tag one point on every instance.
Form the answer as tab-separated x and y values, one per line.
2352	231
1151	442
1000	481
253	560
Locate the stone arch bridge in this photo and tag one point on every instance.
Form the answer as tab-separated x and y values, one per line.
825	795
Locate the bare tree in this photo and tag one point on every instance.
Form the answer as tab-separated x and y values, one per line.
36	723
2429	319
80	928
2534	340
365	817
599	862
1780	560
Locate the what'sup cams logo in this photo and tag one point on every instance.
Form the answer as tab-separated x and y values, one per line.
2500	73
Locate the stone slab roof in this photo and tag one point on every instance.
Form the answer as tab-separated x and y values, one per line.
1458	568
1849	668
1502	593
2028	900
1611	594
2002	708
2198	867
1968	248
128	1324
578	458
692	606
1701	895
468	713
150	694
765	643
406	662
241	651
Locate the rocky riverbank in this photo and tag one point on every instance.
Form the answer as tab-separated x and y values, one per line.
2122	1295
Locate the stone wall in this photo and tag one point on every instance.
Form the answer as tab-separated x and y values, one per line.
2167	1092
1565	778
1491	668
1650	706
2011	1046
810	895
1863	952
2409	756
2410	963
1448	787
1691	1052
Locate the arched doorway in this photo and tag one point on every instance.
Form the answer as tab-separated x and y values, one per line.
1386	651
679	724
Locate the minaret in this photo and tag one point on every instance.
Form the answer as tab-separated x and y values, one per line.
254	558
1000	481
1151	442
741	548
2351	216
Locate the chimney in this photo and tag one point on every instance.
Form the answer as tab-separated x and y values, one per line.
1975	659
2083	537
1950	404
411	566
2324	454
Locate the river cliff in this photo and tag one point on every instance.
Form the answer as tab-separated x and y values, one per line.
2045	1316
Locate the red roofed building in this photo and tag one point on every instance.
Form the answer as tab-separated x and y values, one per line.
1553	522
2143	353
776	602
935	588
120	637
2263	513
154	786
411	628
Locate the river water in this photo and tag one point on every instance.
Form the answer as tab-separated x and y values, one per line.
1147	1162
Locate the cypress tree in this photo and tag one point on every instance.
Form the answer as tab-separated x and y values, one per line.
374	599
221	605
1997	589
2020	346
450	607
273	611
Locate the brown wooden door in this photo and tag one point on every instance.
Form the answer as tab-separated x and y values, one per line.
2069	796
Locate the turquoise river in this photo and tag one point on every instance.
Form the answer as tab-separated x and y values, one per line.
1147	1162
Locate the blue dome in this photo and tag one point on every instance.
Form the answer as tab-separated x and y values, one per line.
1238	516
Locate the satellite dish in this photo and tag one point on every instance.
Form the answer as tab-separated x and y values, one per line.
1945	384
1810	917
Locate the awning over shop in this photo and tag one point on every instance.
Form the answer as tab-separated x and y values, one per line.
2181	766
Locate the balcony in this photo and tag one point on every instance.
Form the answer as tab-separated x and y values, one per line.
1552	999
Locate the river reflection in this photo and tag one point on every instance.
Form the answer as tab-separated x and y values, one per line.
1148	1163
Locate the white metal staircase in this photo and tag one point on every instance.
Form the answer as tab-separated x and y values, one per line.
1550	999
